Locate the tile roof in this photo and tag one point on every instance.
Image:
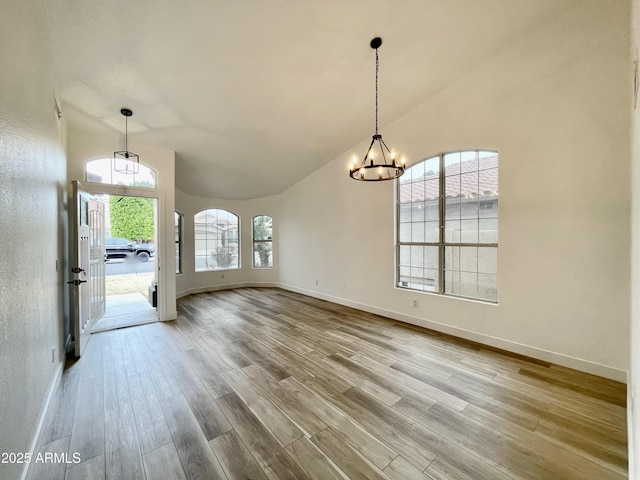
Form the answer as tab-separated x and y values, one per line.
478	176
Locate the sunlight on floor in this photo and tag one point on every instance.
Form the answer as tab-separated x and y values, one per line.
124	311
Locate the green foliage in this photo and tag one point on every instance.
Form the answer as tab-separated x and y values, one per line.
132	218
262	230
262	227
144	183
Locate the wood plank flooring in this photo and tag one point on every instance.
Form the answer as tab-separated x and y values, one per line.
269	384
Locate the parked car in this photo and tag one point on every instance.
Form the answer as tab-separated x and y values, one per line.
123	248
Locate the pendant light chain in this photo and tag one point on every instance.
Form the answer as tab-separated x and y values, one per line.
377	69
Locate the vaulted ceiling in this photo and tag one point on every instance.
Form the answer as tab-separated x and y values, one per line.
253	95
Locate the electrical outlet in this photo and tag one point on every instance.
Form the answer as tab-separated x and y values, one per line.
415	304
316	283
222	276
53	354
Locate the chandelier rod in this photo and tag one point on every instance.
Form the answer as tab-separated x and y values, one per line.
377	69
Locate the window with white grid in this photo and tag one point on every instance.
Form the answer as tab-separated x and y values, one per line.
447	231
216	240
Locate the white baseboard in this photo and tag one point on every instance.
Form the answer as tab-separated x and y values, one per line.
631	431
503	344
53	387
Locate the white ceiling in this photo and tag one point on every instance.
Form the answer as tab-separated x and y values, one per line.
253	95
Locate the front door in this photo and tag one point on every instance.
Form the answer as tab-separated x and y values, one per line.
87	265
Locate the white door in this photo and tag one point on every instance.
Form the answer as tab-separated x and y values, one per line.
87	264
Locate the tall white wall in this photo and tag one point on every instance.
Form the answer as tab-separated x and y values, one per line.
85	146
555	107
32	208
192	282
633	388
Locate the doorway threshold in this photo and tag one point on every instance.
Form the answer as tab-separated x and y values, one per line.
125	310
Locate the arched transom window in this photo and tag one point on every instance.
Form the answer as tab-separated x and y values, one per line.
101	171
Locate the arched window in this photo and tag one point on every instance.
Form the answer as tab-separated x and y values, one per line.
101	171
217	240
447	232
262	241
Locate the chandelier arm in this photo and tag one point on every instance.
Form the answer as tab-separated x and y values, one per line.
384	157
393	160
364	160
385	145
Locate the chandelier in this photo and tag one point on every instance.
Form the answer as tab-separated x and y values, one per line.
379	162
125	161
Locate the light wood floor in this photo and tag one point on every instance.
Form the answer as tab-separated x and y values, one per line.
265	383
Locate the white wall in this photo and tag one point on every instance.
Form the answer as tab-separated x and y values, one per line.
32	206
86	146
555	107
192	282
633	388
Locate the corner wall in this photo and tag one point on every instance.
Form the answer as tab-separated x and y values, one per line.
633	390
555	107
32	206
194	282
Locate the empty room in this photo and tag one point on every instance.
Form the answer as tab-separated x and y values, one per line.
276	239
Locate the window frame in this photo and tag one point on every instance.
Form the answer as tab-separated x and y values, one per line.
442	244
254	241
179	241
106	165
